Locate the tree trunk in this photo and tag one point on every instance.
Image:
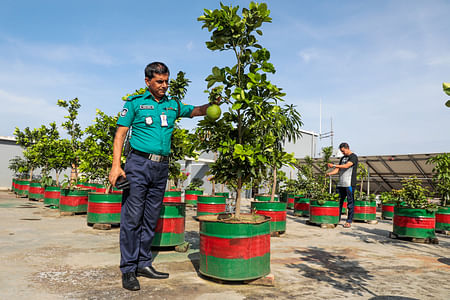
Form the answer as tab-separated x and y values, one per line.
238	199
274	184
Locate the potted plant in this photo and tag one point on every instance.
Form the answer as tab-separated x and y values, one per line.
305	181
324	206
192	191
20	168
387	205
441	177
236	246
414	215
72	198
365	207
103	207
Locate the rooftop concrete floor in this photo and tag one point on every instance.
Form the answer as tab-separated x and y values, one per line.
47	256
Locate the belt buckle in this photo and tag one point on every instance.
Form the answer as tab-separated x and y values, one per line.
154	157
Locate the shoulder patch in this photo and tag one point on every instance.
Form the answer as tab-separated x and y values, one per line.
133	97
123	113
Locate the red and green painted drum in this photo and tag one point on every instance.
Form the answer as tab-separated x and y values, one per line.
36	191
210	205
74	200
23	187
190	197
301	206
115	190
170	227
414	222
265	198
224	194
290	201
275	210
172	197
443	218
85	185
387	210
365	210
99	188
52	195
327	213
103	208
13	185
344	207
234	251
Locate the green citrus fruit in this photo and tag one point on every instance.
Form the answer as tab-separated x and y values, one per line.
213	112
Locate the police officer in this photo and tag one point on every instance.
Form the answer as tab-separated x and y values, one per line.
152	116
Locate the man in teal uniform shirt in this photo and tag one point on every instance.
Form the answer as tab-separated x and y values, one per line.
152	117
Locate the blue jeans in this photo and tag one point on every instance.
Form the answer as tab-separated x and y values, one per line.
141	205
349	193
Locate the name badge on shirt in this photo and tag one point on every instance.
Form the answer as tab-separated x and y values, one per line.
164	121
149	121
146	107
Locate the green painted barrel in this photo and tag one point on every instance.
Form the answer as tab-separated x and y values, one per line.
190	197
301	206
24	187
414	222
36	191
172	197
344	207
326	213
224	194
290	201
52	195
365	210
265	198
387	210
234	251
443	218
74	200
275	210
13	185
103	208
210	205
170	227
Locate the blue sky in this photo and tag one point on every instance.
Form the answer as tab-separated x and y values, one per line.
377	66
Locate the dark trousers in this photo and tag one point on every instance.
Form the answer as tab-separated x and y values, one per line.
349	193
141	205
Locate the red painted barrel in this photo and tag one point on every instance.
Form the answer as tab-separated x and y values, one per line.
103	208
324	212
365	210
414	222
172	197
234	251
387	210
190	197
275	210
265	197
301	206
290	201
74	200
443	218
170	228
36	191
344	207
52	195
23	187
210	205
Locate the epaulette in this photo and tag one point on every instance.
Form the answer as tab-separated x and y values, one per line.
133	97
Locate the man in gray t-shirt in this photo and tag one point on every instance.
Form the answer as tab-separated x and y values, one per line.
347	169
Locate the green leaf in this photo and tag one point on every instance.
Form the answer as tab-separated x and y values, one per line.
446	87
447	103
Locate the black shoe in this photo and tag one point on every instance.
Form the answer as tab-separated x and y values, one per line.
130	282
150	272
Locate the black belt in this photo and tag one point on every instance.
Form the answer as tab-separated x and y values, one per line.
150	156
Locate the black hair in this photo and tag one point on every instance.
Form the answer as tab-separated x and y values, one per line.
155	67
344	145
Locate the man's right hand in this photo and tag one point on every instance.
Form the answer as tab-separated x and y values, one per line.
115	173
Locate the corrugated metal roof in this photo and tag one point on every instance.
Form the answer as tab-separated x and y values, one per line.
387	171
